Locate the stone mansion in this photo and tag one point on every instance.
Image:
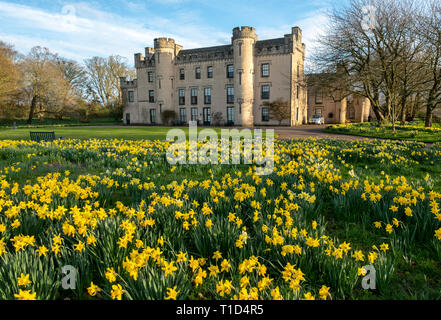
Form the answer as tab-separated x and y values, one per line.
221	85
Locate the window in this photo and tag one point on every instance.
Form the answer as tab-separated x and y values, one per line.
181	97
131	96
128	119
265	92
150	76
240	49
210	72
230	71
230	115
151	96
318	97
318	111
298	92
230	95
198	73
194	96
207	116
265	70
207	95
298	71
183	115
182	74
153	116
194	114
265	114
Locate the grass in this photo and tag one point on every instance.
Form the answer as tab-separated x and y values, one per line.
22	123
99	132
414	131
133	133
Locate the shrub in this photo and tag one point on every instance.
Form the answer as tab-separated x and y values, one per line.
167	116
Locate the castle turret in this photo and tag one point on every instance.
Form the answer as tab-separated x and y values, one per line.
244	39
165	52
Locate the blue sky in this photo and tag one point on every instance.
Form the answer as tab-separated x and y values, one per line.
82	29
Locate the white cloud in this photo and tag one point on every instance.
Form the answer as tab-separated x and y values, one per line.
80	31
83	31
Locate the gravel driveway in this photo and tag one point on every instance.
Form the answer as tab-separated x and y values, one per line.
310	131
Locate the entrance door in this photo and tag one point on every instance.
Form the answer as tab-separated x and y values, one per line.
230	116
207	116
153	116
128	119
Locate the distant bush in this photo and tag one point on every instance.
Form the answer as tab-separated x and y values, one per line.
167	116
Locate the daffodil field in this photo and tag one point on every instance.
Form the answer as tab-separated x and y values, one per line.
135	227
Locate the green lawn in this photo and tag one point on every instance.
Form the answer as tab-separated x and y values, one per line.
412	131
103	132
133	133
22	123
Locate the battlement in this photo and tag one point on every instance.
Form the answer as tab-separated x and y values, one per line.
205	54
297	32
164	43
244	32
293	41
128	84
149	52
144	62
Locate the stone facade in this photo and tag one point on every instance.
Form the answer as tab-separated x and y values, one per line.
222	85
354	108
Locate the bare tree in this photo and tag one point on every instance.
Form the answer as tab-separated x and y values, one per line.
372	51
104	74
76	75
430	31
9	74
8	51
44	84
279	109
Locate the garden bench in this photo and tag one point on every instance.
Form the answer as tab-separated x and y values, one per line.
43	136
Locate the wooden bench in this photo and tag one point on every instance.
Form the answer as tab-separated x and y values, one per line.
42	136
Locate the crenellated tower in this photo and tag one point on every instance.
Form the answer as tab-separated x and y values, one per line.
244	40
165	52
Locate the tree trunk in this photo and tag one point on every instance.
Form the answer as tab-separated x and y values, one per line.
31	112
378	114
429	116
403	110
